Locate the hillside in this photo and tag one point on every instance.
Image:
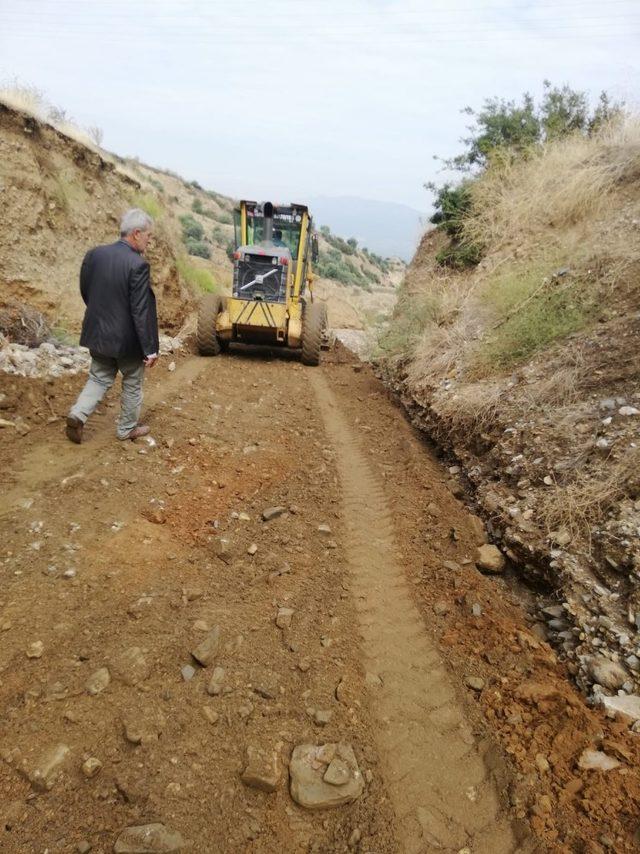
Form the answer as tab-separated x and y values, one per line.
61	194
526	370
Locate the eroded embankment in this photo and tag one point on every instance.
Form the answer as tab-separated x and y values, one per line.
518	472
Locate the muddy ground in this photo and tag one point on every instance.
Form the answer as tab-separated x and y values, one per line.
465	728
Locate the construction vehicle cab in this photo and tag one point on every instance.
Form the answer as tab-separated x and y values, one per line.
271	301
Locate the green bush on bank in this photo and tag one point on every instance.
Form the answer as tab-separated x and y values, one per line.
149	204
196	278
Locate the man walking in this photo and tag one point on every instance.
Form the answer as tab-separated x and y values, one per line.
120	325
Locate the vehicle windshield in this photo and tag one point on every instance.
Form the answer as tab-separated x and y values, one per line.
286	230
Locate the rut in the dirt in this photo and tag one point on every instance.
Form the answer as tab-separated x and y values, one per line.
443	794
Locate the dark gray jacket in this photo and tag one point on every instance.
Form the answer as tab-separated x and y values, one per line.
121	318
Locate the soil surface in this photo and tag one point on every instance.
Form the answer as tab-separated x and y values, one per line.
356	614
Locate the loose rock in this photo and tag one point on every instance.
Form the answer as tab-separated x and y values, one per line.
130	666
337	773
308	766
322	716
272	513
283	617
210	714
188	672
607	673
224	550
215	684
625	709
91	767
143	725
490	558
35	650
207	650
48	767
148	839
98	681
596	760
262	768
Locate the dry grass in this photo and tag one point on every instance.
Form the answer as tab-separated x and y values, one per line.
563	183
584	502
475	407
30	100
22	324
25	98
562	387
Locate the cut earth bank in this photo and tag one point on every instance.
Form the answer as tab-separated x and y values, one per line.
171	640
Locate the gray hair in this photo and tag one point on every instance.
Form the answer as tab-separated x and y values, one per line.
134	219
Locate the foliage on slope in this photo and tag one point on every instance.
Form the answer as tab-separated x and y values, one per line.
73	180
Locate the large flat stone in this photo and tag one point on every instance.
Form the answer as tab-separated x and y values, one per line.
310	776
626	708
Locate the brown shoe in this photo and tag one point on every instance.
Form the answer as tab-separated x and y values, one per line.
74	429
137	432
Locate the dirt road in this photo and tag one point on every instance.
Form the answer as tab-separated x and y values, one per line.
354	615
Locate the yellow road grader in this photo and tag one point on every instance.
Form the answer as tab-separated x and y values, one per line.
272	300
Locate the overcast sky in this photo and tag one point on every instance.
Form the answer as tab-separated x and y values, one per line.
286	99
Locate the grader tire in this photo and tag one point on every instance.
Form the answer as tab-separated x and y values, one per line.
314	323
208	342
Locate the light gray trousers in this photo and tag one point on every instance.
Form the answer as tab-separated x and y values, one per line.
102	374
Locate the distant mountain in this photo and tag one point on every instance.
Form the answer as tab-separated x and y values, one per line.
386	228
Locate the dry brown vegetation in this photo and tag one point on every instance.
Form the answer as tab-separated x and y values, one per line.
559	239
583	503
507	363
562	184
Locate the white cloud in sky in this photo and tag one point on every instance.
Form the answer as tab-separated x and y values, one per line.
286	99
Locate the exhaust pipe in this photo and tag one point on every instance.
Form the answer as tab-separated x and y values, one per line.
268	221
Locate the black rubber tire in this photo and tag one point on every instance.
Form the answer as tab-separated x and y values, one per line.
314	322
208	342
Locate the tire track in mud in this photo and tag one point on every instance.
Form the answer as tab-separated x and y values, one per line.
443	793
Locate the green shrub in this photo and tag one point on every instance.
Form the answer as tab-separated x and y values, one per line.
197	247
218	236
196	278
459	256
517	127
230	249
411	315
533	311
191	228
196	206
224	217
453	204
148	203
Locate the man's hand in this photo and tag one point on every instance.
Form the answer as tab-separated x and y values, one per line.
149	361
